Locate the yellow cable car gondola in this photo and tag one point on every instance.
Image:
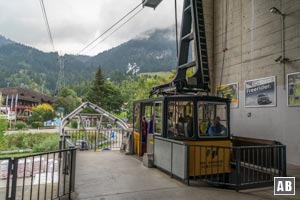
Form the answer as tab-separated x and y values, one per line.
183	113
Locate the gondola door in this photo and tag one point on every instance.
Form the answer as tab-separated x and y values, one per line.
143	125
147	122
137	128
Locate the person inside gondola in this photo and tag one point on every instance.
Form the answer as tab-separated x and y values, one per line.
190	130
150	125
217	129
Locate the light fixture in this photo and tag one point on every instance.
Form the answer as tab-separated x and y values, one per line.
276	11
279	59
151	3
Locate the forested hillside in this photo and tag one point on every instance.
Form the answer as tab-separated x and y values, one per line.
152	52
25	66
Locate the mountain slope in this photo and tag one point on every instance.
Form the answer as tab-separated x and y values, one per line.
4	41
152	52
22	65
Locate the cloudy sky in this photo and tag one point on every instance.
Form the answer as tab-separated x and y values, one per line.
75	23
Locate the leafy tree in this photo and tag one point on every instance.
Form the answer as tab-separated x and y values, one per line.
81	88
135	88
41	113
114	99
68	99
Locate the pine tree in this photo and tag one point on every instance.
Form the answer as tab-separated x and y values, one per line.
105	94
96	93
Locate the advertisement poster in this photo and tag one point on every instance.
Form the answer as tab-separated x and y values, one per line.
230	91
260	92
293	81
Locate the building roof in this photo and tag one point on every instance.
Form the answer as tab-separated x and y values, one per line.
27	95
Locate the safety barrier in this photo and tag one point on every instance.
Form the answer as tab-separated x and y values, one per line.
48	175
97	139
248	166
235	167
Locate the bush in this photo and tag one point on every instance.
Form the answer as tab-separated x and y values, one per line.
20	125
42	113
49	144
74	124
38	142
36	124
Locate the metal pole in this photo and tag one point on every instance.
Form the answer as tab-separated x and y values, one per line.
187	163
283	161
172	159
96	136
8	178
238	168
283	48
176	24
14	178
71	173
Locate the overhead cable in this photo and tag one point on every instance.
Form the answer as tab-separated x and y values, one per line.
118	28
111	27
47	23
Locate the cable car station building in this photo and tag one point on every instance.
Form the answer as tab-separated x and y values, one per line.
253	50
225	121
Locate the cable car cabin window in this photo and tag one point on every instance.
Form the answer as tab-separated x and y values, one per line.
158	118
212	120
136	117
180	119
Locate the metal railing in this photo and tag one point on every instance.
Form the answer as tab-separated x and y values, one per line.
48	175
97	139
236	168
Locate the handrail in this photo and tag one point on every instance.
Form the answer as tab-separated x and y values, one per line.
48	175
38	154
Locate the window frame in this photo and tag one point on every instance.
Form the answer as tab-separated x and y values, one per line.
199	120
188	110
154	103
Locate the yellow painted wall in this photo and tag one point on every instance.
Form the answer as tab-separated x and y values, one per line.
209	160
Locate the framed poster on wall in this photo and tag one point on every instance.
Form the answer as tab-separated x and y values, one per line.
293	89
230	91
260	92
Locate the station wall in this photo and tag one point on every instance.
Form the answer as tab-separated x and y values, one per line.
246	41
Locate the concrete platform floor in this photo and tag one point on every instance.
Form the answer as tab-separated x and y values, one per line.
110	175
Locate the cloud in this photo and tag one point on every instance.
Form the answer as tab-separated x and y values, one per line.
74	23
